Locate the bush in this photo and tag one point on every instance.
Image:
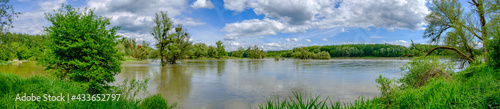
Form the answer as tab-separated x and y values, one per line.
81	48
156	102
421	69
494	50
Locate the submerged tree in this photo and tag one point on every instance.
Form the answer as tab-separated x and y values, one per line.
163	24
81	48
463	29
179	45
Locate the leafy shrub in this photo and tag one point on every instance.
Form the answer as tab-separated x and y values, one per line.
156	102
81	48
420	69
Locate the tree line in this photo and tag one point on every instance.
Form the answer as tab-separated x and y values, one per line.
360	50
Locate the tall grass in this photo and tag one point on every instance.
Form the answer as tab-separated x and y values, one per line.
477	86
11	85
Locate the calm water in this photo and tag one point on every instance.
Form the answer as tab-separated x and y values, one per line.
241	83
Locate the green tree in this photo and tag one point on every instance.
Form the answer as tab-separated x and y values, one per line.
81	48
199	50
212	51
6	14
462	28
220	49
239	52
163	24
179	46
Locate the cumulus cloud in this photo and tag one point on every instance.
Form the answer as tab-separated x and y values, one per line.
309	14
324	39
308	40
135	17
256	27
202	4
32	22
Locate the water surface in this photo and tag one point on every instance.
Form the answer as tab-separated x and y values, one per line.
243	83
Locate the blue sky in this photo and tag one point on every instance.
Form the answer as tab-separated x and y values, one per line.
271	24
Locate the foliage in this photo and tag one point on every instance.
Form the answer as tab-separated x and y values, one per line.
160	33
220	49
464	29
305	53
129	47
420	69
386	87
6	14
254	52
171	46
21	46
81	48
494	49
179	45
199	50
12	84
238	53
156	102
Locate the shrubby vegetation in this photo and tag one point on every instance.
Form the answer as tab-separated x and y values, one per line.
21	46
81	48
129	47
12	84
360	50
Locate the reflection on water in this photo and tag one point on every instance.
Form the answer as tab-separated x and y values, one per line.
240	83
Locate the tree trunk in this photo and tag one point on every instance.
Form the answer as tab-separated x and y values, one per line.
451	48
480	11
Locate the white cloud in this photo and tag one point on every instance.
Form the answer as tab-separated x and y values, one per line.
32	22
295	39
390	29
256	27
202	4
272	44
324	39
398	42
308	40
288	39
302	15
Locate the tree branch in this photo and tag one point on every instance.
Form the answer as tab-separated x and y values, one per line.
451	48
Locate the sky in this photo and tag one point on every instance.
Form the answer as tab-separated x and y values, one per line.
270	24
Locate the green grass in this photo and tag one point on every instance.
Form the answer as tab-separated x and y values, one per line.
11	85
475	87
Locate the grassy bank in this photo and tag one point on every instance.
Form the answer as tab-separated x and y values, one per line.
477	86
11	85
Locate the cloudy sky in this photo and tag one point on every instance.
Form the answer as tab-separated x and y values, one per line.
271	24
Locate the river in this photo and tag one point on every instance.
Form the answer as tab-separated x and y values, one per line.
243	83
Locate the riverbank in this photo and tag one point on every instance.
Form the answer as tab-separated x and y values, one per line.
13	87
477	86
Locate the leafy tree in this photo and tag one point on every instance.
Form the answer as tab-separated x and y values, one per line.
161	35
179	45
171	46
462	28
199	50
220	49
6	14
494	49
81	48
212	51
239	52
